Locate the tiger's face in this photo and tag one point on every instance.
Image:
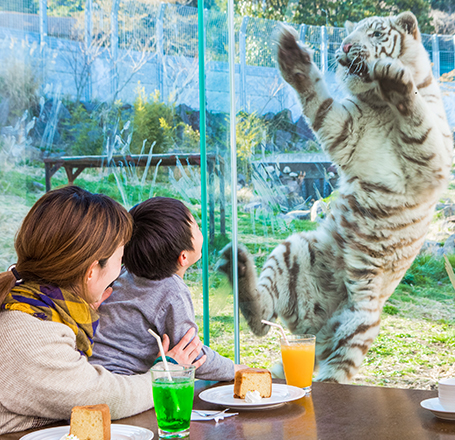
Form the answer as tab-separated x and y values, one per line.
371	39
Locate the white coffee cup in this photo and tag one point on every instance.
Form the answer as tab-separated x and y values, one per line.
446	392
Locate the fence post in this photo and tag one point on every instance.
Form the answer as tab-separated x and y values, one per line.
88	44
160	49
302	32
43	30
435	50
453	41
242	45
324	50
114	47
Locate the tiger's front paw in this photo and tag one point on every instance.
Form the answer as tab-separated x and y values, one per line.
224	265
294	59
395	82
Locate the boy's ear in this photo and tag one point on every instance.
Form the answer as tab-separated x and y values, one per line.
183	259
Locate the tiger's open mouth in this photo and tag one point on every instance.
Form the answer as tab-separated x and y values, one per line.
357	66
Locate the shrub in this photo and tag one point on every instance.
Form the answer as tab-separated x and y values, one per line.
151	120
250	130
83	133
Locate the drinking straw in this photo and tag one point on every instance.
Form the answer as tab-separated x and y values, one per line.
166	367
277	326
163	355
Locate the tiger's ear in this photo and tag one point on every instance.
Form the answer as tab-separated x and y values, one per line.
408	22
349	26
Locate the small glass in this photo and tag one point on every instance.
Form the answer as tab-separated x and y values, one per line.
298	360
173	392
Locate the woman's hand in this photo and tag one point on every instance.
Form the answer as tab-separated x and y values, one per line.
185	352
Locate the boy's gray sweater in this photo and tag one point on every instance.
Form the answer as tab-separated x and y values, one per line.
122	343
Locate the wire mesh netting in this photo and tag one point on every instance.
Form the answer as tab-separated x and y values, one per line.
446	53
172	29
335	36
180	31
258	42
216	35
137	25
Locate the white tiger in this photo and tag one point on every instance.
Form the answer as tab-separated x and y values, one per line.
393	147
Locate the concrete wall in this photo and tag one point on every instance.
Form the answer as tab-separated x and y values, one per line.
264	89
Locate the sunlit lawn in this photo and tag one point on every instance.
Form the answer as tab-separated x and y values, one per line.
416	344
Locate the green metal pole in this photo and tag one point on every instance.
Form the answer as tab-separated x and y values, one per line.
233	141
205	246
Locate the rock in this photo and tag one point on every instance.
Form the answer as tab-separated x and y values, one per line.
268	117
252	206
89	106
284	116
449	245
37	185
194	120
293	175
282	138
183	111
286	170
448	209
241	180
318	210
298	215
432	248
303	129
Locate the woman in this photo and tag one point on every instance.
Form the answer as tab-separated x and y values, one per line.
69	251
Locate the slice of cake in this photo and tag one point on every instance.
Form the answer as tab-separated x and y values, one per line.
252	379
91	422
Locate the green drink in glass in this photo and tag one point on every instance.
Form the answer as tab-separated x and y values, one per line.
173	392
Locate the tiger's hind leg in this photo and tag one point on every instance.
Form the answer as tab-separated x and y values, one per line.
345	339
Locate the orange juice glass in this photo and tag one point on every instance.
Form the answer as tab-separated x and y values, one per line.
298	360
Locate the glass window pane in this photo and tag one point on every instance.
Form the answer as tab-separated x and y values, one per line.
288	184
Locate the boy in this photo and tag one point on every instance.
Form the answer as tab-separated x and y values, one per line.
151	293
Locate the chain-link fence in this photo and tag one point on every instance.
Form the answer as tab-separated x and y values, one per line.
174	30
101	49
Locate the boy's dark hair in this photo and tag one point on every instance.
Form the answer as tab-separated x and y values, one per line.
161	231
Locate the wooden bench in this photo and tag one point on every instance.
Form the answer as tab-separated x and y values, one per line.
74	165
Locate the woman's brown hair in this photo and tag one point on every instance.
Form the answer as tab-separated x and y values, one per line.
66	230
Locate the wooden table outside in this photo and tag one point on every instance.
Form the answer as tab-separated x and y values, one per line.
332	412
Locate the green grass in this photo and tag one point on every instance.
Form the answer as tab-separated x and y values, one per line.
416	344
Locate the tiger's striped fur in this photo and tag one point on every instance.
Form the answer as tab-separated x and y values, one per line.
393	147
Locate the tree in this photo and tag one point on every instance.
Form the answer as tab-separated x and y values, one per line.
25	6
447	6
444	23
336	12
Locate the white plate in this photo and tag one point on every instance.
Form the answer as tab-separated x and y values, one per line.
118	432
224	396
437	409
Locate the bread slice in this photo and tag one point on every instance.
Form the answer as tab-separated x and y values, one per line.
91	422
252	379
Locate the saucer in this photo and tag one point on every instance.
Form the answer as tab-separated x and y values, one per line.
437	409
